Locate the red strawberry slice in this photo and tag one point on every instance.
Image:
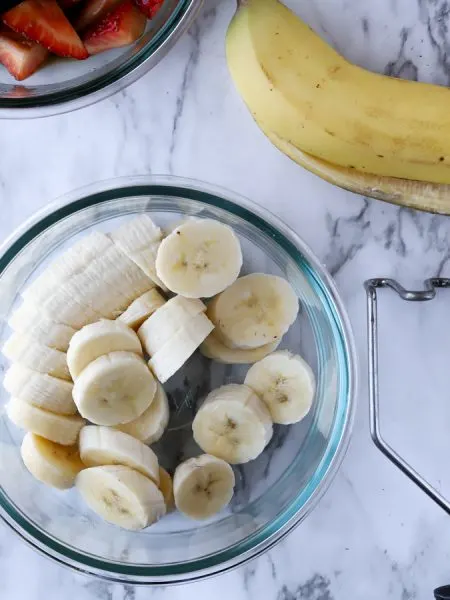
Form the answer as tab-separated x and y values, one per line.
93	11
43	21
123	26
149	7
20	56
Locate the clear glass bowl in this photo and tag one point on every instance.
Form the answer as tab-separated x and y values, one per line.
64	85
274	492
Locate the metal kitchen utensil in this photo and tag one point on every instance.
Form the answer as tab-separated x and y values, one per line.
428	293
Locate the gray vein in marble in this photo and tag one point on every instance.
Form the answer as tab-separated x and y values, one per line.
399	576
436	16
129	592
350	234
101	589
399	244
365	26
347	236
194	35
130	127
402	67
317	587
273	569
249	574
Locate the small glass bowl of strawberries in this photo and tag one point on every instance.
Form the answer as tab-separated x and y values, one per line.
60	55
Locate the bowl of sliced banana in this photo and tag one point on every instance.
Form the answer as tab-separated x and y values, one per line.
178	380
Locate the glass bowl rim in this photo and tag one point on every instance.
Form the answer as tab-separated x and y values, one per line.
64	101
255	544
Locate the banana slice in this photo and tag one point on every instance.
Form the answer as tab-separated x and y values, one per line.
233	424
166	489
62	429
199	258
150	426
66	266
180	347
29	319
203	486
256	310
285	383
125	275
104	446
139	239
27	352
43	391
115	388
167	320
50	463
141	309
97	339
105	288
121	496
213	348
67	302
109	284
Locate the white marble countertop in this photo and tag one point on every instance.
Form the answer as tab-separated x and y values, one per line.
374	535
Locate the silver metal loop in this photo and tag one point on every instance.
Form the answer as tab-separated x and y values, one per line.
428	293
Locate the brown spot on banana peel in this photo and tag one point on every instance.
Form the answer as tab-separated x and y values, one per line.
420	195
332	71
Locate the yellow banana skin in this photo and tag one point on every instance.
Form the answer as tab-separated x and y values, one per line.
309	99
420	195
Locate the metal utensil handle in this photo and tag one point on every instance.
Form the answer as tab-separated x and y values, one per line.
428	293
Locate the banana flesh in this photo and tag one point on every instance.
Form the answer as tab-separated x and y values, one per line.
286	385
203	486
51	463
97	339
114	388
121	496
106	446
150	426
233	424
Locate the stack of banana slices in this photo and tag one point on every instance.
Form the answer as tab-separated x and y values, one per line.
111	320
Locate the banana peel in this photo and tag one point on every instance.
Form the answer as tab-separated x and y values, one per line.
419	195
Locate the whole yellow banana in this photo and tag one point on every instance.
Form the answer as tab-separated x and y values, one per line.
309	99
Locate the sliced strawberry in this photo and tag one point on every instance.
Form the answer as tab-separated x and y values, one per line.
123	26
92	11
149	7
20	56
43	21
